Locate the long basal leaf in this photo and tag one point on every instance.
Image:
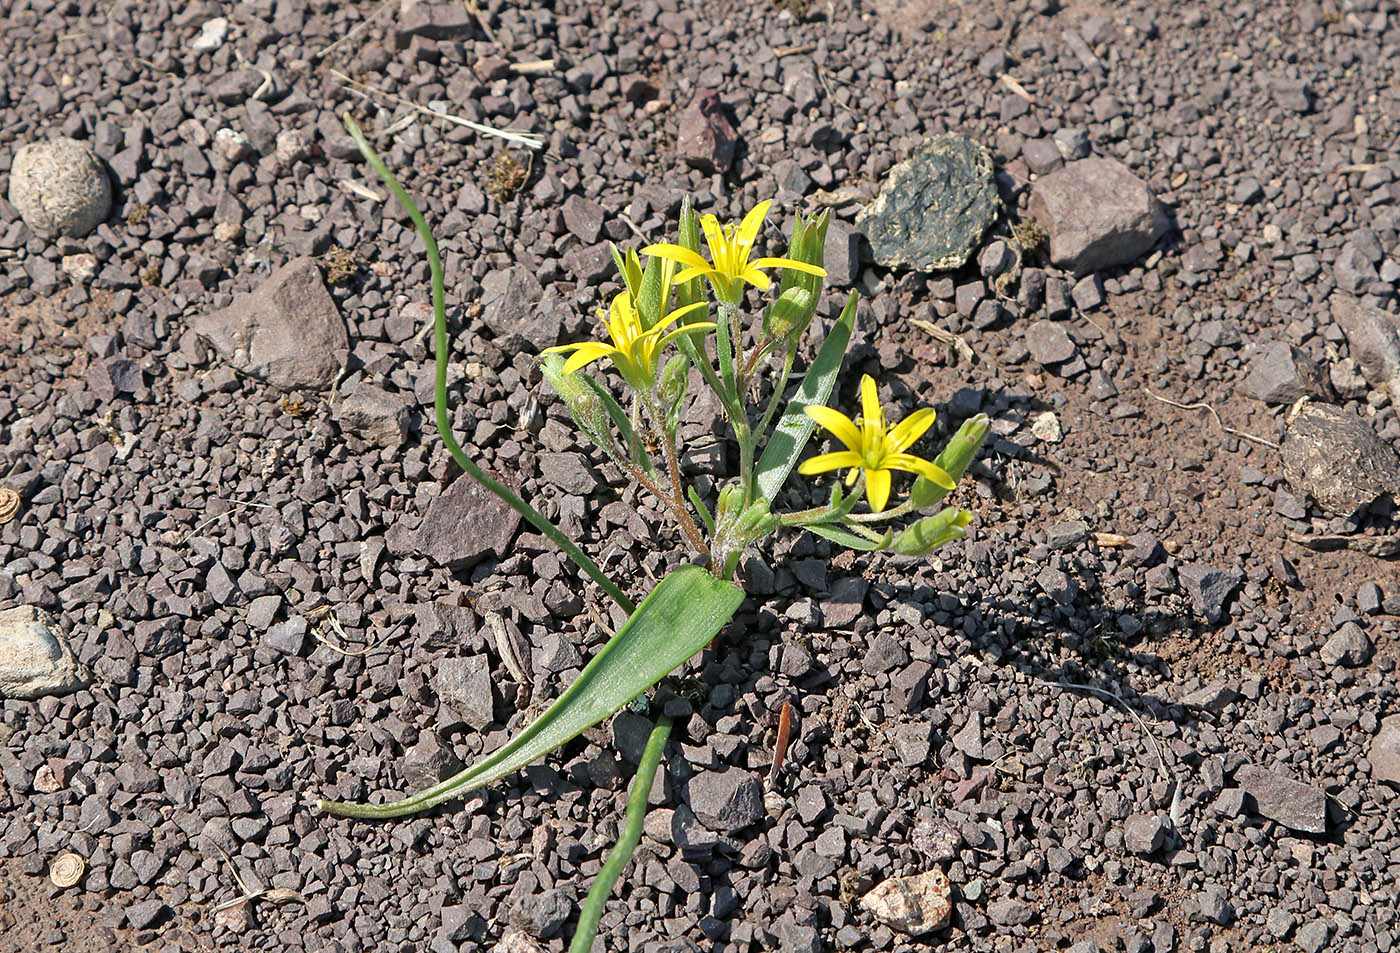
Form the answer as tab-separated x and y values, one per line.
683	612
795	428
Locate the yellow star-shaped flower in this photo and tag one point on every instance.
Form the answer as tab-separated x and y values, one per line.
729	266
873	447
634	350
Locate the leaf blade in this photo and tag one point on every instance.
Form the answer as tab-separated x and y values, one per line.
794	427
676	620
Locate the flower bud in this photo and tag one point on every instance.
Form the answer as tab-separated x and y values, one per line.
956	457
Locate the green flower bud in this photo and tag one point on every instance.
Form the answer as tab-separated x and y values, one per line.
931	532
956	457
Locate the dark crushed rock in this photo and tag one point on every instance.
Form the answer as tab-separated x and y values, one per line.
463	525
726	800
1280	374
1209	588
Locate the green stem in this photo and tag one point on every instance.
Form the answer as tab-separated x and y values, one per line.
779	386
592	910
444	424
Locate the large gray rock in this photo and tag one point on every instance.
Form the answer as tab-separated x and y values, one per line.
287	332
35	658
464	686
1098	214
934	207
1374	338
516	309
60	187
726	800
465	524
1295	805
1337	458
1280	374
376	415
1385	752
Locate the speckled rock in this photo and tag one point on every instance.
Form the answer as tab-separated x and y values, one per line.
934	207
60	187
914	905
35	658
1337	458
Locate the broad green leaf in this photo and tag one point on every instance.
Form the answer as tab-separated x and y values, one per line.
932	532
955	458
682	614
795	428
848	539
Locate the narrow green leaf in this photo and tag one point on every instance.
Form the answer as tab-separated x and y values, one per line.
848	539
705	516
682	614
621	264
795	428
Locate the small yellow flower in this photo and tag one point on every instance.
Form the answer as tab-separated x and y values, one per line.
729	266
634	350
873	447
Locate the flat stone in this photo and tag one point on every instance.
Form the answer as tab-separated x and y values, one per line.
516	310
1213	904
60	187
1097	213
1208	588
1280	374
1384	753
1144	833
1374	338
584	218
1213	698
1337	458
428	762
1297	806
287	638
705	138
35	657
464	686
727	800
288	332
914	905
934	207
1050	343
379	417
1009	913
1349	647
1312	937
463	525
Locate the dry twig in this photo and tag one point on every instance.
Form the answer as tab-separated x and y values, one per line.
1202	405
369	92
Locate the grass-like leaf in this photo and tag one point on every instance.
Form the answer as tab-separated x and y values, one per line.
683	612
795	428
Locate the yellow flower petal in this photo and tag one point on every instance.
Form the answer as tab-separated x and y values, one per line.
870	403
877	489
678	253
789	263
714	237
685	329
586	354
829	461
748	228
841	426
756	278
929	471
904	434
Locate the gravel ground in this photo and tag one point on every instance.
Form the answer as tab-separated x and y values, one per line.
271	610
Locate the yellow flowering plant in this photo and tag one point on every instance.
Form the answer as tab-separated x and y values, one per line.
658	334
